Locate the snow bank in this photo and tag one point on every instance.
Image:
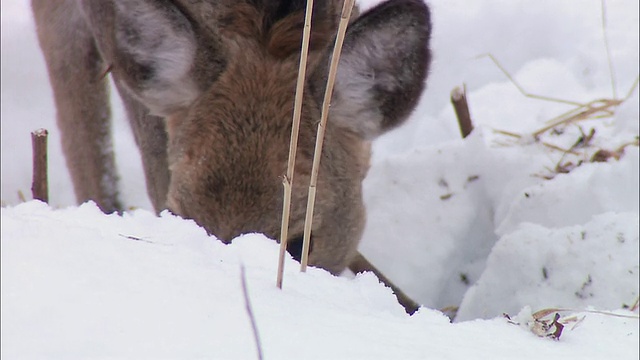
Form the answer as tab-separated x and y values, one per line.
78	284
570	267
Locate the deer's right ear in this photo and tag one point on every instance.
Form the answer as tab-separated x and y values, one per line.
382	70
161	56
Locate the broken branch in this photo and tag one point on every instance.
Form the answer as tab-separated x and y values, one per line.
39	185
459	101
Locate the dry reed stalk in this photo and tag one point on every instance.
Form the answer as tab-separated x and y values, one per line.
39	185
333	68
293	146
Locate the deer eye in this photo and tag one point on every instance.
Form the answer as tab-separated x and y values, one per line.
294	246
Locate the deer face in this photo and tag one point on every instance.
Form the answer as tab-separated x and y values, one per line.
228	154
222	74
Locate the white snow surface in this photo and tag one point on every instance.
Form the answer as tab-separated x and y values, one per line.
77	284
483	224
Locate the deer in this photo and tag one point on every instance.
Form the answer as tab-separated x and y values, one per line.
208	88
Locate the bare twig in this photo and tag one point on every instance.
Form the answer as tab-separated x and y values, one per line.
135	238
361	264
293	145
39	186
333	68
459	101
247	303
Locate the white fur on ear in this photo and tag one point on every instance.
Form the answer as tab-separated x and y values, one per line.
353	97
161	43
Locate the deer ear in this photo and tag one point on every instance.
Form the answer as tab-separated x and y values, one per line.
382	69
157	49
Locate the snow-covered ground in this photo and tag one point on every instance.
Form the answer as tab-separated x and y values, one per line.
487	224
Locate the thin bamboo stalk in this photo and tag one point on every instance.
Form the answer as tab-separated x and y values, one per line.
293	146
333	68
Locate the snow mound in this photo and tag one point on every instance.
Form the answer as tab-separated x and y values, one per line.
594	264
79	284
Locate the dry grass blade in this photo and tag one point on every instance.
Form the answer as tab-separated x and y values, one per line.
582	141
612	74
521	89
546	312
333	68
293	146
21	196
634	307
588	111
544	326
632	89
549	145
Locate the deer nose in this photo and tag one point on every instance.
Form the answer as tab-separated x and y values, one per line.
225	235
230	230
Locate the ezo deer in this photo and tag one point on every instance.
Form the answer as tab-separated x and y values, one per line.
208	87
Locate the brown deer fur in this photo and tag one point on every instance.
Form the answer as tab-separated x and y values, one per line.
209	86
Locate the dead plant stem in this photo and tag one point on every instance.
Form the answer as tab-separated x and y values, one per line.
521	89
293	146
333	68
612	73
633	88
584	114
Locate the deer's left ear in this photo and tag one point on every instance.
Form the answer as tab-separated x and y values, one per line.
382	70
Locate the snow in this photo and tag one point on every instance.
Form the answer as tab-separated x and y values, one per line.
555	276
485	224
79	284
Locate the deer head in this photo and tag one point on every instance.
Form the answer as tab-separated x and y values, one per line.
222	75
